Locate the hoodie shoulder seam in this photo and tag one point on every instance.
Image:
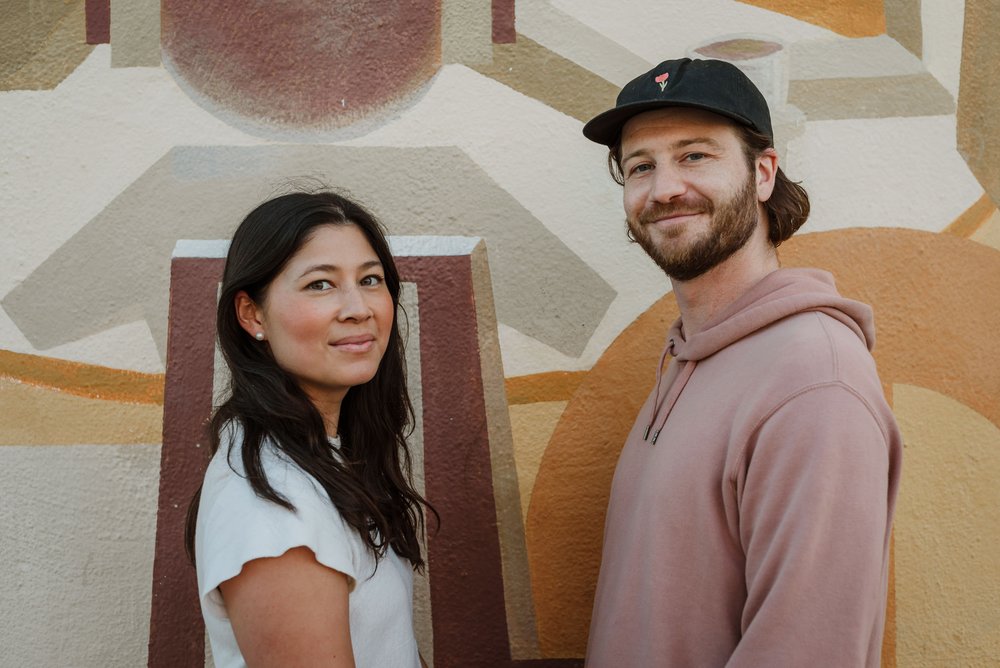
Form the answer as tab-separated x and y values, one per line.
792	396
830	344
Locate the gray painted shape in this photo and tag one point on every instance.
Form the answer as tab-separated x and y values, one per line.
879	56
904	23
115	269
871	97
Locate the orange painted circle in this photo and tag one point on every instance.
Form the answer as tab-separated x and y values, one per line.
935	298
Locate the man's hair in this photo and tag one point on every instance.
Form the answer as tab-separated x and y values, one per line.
787	208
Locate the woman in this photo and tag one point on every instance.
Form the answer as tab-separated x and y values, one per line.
306	536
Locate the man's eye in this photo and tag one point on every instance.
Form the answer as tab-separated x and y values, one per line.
641	167
694	157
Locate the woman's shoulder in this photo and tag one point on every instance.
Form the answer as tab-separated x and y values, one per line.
235	524
233	445
229	489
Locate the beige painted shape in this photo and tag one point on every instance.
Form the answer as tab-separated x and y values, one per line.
63	46
903	23
532	426
989	232
135	33
979	95
41	416
578	43
871	97
410	329
535	71
466	32
518	600
947	533
865	57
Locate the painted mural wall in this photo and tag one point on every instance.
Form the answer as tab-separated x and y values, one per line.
129	127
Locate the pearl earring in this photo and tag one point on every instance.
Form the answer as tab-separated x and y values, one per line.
259	336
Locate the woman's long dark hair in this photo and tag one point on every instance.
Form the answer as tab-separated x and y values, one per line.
370	482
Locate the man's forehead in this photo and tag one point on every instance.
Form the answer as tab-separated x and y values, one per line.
677	120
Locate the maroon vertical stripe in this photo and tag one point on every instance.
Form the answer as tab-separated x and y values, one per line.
466	579
176	630
464	563
503	22
98	21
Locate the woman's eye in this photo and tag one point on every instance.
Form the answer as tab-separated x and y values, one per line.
371	280
320	285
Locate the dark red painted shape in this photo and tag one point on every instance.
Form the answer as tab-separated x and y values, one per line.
306	63
176	630
98	21
503	22
466	578
464	566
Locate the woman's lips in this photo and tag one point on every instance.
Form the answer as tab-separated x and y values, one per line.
355	344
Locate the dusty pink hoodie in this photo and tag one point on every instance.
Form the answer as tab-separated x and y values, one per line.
755	530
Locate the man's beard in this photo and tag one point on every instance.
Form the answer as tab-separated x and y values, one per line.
732	223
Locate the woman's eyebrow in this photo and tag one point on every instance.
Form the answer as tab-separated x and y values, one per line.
332	268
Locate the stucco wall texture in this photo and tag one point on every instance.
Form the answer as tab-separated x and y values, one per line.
131	126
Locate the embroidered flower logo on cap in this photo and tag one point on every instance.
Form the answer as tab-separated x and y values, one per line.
713	85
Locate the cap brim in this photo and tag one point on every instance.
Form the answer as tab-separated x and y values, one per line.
606	127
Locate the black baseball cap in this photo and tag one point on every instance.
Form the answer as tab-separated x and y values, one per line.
713	85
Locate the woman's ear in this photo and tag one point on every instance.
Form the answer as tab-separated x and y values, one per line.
249	315
767	173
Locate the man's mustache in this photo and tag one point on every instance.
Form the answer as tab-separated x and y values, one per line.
655	212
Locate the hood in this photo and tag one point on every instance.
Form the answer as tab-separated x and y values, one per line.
778	295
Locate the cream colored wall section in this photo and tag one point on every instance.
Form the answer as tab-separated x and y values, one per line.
67	153
466	32
871	173
943	22
947	533
135	33
78	525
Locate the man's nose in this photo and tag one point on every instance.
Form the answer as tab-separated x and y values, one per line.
667	184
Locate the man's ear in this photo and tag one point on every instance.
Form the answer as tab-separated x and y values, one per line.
766	173
249	315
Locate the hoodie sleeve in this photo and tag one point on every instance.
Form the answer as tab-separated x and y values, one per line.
813	495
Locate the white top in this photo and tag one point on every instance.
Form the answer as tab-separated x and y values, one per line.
236	526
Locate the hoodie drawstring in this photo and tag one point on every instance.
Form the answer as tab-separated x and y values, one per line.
672	396
656	396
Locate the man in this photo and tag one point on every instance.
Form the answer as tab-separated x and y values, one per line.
751	509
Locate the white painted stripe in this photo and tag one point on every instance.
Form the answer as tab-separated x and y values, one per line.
401	246
201	248
432	245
